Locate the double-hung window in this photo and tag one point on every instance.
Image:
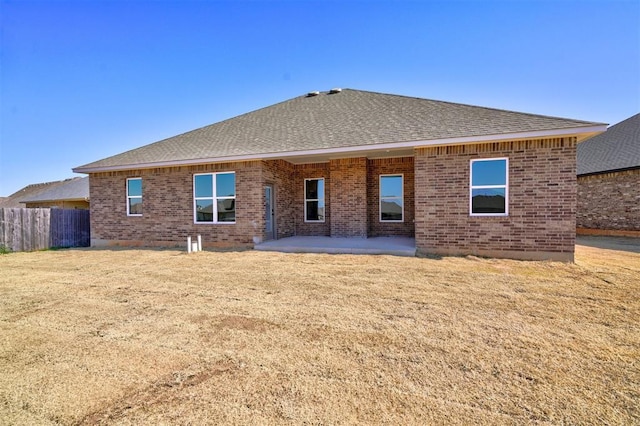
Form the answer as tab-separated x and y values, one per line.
391	198
489	187
134	197
314	200
214	197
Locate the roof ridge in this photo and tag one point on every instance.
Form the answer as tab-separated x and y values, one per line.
478	106
35	185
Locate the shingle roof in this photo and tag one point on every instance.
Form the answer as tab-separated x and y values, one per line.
617	148
350	118
35	190
70	189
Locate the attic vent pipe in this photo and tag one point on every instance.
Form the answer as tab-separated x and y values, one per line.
315	93
335	90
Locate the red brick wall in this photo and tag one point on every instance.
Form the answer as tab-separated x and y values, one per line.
542	201
168	207
609	201
348	197
388	166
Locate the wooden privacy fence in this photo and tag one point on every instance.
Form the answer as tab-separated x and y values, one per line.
39	229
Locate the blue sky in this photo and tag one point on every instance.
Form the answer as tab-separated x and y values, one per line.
80	81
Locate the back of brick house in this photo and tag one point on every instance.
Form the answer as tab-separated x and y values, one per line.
459	179
609	181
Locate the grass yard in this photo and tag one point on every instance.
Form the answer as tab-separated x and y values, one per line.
162	337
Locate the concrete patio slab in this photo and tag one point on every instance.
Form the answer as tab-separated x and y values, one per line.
397	246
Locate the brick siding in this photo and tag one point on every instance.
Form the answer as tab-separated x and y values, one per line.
348	197
542	201
167	218
609	201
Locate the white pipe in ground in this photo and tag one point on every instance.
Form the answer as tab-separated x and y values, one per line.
189	244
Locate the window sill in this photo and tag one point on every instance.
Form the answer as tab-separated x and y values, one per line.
214	223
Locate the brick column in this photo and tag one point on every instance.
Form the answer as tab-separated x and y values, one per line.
348	197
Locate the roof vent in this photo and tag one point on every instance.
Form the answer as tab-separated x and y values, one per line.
335	90
315	93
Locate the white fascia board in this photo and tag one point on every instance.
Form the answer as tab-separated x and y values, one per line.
465	140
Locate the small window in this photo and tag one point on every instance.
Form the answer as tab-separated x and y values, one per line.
214	197
391	198
314	200
489	188
134	197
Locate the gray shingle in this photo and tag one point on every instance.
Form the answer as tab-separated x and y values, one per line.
617	148
70	189
347	119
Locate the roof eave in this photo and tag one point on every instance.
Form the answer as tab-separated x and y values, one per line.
54	200
582	133
602	172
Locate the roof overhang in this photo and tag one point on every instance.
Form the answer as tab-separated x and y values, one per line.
56	200
386	150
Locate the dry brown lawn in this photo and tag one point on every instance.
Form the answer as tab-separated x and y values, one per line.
163	337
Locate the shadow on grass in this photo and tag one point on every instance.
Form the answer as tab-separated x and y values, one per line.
629	244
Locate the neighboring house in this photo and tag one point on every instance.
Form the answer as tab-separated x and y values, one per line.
460	179
609	181
67	194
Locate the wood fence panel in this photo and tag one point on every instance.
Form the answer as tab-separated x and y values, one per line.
38	229
70	228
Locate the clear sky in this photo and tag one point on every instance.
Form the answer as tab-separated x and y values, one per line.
84	80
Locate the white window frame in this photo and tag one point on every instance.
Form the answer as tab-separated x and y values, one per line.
505	186
214	198
129	197
380	197
315	199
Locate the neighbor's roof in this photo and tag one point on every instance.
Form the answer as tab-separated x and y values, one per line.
70	189
349	121
616	149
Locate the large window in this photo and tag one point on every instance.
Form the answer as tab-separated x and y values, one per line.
214	197
314	200
134	197
489	188
391	198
